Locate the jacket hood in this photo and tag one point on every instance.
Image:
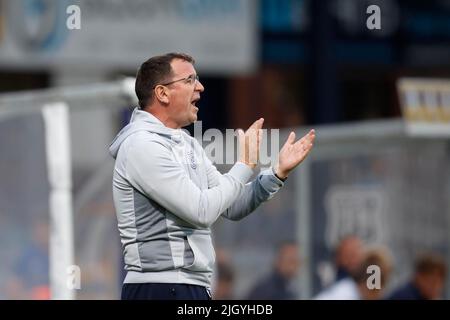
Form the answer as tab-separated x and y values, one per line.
143	121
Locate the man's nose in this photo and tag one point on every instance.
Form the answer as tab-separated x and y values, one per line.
199	86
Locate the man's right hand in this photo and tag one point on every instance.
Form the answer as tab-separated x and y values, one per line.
249	143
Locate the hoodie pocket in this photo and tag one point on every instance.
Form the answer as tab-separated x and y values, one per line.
203	251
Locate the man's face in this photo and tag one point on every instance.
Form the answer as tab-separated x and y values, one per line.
350	254
288	261
183	94
430	284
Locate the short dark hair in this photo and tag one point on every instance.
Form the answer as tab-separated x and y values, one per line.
154	71
427	263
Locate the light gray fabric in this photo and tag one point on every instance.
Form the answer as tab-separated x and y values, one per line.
167	194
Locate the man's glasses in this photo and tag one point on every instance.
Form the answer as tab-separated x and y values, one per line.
189	80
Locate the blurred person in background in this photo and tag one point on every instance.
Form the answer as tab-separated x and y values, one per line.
428	280
223	284
31	269
168	194
355	287
348	257
278	284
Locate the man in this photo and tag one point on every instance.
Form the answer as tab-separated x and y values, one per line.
349	255
167	193
428	280
276	286
356	286
224	284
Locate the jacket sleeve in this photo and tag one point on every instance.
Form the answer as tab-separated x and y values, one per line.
261	189
152	169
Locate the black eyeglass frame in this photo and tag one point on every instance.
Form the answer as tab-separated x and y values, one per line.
195	77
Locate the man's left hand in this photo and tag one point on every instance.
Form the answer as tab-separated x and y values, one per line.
293	153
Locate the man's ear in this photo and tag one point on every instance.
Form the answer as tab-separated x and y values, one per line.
162	94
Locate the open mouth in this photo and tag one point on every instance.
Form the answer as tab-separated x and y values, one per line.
194	102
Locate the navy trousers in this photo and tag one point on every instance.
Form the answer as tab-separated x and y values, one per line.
164	291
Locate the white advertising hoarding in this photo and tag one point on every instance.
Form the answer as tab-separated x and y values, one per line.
121	34
425	104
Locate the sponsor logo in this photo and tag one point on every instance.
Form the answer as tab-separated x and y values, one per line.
39	25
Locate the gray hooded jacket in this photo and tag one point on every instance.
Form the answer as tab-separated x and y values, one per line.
167	194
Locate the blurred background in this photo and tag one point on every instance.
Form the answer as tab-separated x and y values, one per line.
372	77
